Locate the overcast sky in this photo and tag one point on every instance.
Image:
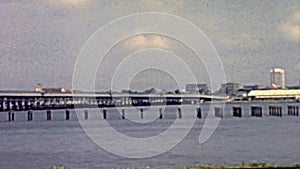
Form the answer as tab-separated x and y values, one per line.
41	40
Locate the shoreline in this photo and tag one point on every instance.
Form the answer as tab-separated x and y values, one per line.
238	166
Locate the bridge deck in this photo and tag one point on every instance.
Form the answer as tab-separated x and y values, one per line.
15	100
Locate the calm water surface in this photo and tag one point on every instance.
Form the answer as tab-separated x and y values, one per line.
41	144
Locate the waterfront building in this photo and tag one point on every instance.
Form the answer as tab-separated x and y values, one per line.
229	89
197	88
275	94
277	78
39	88
243	92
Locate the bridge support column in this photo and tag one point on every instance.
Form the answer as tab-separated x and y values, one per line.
29	115
86	114
293	111
219	112
275	111
199	113
11	115
142	113
256	111
104	113
237	111
160	113
67	114
179	113
48	115
123	113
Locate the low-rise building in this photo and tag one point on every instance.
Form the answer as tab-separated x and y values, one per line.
279	94
196	88
41	89
228	89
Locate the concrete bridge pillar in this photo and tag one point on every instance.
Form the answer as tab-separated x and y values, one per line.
256	111
104	113
293	110
123	113
67	114
199	113
48	115
237	111
142	113
275	111
86	114
160	113
179	113
11	115
219	112
29	115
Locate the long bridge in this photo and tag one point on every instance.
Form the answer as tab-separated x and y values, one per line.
22	100
11	101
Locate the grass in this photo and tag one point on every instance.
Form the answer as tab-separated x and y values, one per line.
59	167
249	166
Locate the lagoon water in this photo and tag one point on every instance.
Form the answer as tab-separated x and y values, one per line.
40	144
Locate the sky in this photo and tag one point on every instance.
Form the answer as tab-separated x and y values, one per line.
40	41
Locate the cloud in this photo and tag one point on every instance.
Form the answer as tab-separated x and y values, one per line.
143	41
291	28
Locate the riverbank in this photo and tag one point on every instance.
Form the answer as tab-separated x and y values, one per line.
240	166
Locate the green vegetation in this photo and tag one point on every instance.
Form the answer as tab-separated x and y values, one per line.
250	166
60	167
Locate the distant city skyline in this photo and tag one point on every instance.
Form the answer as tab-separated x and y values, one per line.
41	40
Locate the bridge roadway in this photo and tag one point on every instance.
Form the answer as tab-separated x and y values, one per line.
28	100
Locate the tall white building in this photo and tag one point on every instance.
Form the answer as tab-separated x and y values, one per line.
277	77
